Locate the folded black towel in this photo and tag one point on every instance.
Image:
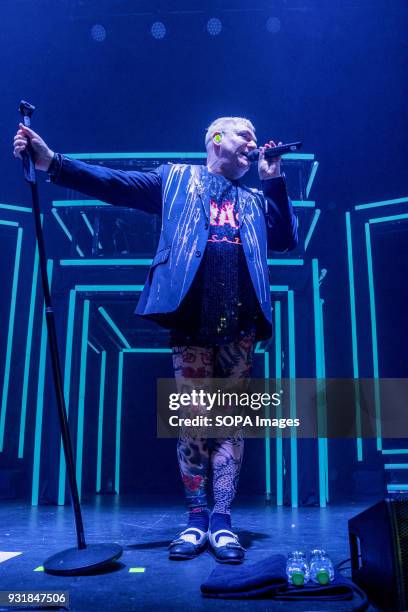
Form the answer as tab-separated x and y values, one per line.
259	579
267	579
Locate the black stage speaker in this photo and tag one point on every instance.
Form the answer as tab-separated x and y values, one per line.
379	553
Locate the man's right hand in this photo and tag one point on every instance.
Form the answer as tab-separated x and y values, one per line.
42	153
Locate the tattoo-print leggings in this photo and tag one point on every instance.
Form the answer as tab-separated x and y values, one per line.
222	457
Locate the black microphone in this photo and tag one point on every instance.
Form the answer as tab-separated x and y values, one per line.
274	151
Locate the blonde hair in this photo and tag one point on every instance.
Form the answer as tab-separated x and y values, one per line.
223	123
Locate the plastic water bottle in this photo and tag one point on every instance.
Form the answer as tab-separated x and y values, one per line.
321	567
297	568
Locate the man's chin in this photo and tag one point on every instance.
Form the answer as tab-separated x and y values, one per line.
243	160
236	170
244	164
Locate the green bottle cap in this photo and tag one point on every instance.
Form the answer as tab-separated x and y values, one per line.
298	579
323	577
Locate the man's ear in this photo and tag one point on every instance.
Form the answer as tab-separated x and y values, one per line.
217	138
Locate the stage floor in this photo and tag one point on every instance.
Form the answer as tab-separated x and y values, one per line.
144	528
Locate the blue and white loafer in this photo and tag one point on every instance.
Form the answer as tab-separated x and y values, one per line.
226	547
189	544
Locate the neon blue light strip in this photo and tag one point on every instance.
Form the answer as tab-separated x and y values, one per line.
118	422
105	262
146	350
268	487
279	288
312	175
90	203
303	203
62	224
266	365
82	203
323	441
40	400
67	386
278	376
285	262
292	376
112	288
352	296
11	223
65	230
390	218
397	487
93	347
148	262
113	326
354	344
13	207
27	358
299	156
395	451
89	226
396	466
383	203
359	440
312	227
160	155
316	305
374	341
81	396
168	155
258	350
322	350
9	345
320	370
100	423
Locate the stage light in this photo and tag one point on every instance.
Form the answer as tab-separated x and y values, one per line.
98	32
214	26
158	30
273	25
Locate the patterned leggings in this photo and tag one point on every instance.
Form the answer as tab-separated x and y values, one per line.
197	457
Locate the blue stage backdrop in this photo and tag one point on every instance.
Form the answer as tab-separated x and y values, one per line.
110	88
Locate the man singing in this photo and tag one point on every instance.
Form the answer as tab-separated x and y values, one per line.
208	283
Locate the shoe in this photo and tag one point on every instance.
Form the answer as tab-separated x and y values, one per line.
189	544
226	547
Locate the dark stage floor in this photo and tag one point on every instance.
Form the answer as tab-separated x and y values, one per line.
144	528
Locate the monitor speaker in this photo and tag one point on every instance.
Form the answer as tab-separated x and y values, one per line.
379	553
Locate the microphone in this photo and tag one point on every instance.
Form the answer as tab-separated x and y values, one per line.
274	151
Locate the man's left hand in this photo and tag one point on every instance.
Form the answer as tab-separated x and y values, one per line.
268	168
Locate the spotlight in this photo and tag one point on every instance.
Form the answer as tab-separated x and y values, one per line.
98	32
214	26
273	25
158	30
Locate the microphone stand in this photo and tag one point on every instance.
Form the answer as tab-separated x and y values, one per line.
83	558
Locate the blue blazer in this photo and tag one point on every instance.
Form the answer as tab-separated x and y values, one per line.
176	192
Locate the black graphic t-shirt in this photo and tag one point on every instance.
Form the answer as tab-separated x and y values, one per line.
221	305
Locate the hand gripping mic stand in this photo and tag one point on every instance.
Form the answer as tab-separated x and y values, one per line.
83	559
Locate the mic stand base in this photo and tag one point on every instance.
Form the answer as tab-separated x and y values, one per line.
74	561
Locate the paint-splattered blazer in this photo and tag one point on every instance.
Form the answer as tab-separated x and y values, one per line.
176	192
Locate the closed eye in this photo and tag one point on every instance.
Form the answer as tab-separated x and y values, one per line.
248	136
